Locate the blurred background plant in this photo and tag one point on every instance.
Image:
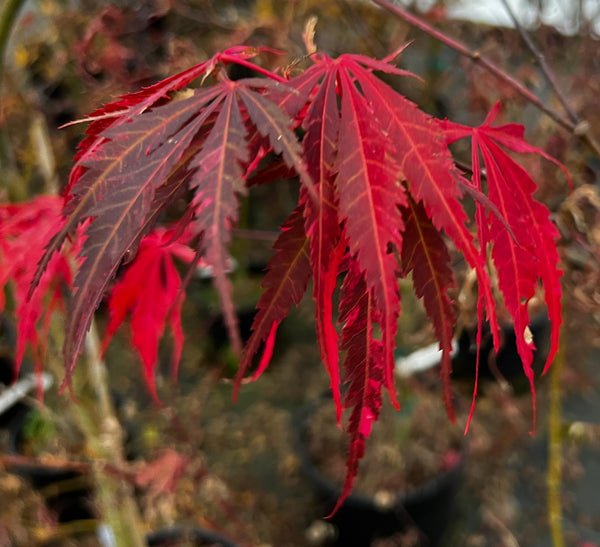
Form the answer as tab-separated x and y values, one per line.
59	59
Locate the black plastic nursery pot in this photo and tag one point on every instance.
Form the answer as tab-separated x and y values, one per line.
67	492
422	514
175	536
507	362
426	512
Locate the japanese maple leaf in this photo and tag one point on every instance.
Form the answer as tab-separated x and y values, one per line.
382	172
162	475
529	254
149	291
134	147
379	198
364	366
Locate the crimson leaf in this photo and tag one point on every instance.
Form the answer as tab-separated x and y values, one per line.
379	197
153	270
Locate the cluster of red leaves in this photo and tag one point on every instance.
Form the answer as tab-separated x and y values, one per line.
24	233
148	290
379	196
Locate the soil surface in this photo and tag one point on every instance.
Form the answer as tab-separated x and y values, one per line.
235	468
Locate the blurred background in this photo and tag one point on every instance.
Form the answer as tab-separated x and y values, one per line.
253	472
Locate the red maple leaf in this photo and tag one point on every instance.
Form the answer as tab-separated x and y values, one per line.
379	198
288	274
149	291
528	255
141	152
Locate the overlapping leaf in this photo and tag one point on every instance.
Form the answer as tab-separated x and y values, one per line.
424	253
149	291
285	282
529	255
117	191
379	195
118	175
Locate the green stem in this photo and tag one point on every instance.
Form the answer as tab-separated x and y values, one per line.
7	19
554	478
105	439
95	418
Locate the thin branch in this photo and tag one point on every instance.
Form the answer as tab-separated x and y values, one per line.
541	60
581	129
478	58
12	462
466	168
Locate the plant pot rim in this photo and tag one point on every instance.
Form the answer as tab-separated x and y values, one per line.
157	537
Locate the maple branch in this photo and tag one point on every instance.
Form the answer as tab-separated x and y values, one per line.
541	60
581	129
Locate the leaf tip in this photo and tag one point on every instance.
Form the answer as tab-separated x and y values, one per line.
67	384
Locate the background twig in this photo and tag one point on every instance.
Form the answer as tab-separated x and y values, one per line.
580	129
8	17
541	60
